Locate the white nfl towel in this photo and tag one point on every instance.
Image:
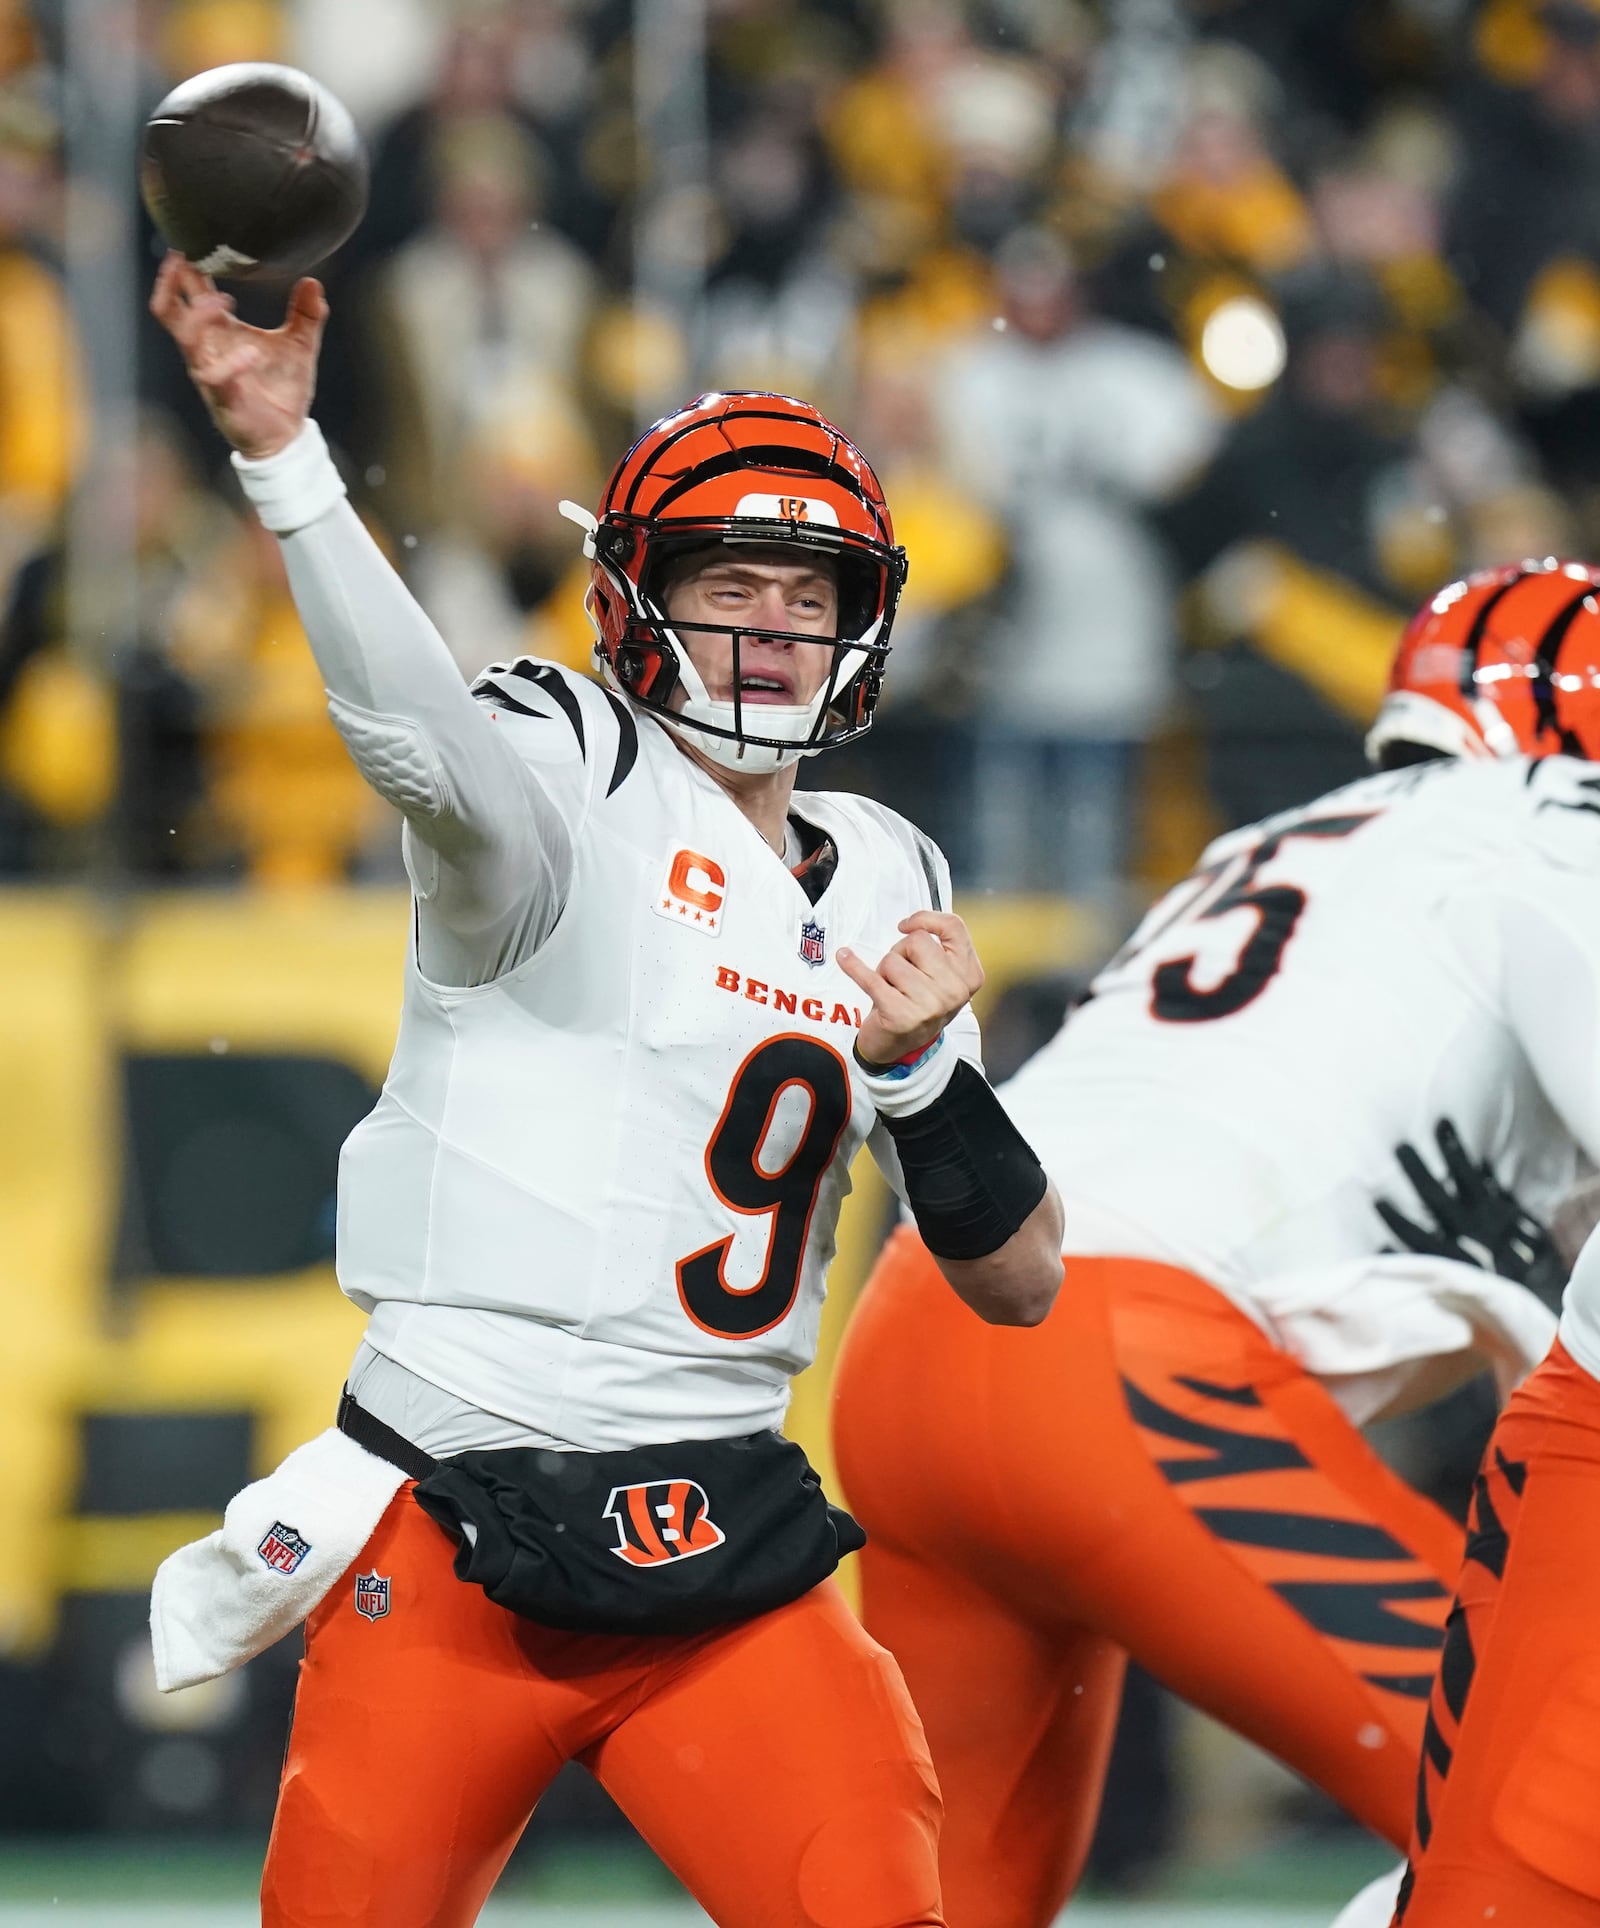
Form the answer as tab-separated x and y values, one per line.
283	1542
1375	1330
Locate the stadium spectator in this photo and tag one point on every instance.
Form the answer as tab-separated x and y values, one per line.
279	803
920	747
192	727
1223	196
483	309
110	716
504	576
780	306
1069	428
530	64
42	415
1285	535
1525	216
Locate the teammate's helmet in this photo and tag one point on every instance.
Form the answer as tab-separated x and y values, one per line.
1505	663
734	468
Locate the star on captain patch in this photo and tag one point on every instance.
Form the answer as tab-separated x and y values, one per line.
813	944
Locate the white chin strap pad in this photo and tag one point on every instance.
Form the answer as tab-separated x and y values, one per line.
753	759
792	721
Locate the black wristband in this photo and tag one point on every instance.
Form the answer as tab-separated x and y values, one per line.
972	1179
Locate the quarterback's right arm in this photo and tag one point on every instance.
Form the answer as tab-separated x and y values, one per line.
498	849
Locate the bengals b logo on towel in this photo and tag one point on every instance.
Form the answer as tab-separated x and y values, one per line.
662	1520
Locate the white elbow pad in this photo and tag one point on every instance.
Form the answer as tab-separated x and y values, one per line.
394	756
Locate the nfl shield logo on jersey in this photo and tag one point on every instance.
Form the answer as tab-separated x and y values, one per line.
283	1548
813	943
661	1520
372	1595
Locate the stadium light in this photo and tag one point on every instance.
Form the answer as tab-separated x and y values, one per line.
1242	344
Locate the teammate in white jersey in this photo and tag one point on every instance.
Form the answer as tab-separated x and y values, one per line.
653	1008
1171	1466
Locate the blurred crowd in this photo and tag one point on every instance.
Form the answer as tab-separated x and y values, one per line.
1195	342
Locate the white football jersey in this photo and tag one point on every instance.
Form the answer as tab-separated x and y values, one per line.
1580	1310
599	1193
1325	986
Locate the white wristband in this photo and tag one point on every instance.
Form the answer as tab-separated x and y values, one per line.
899	1090
293	488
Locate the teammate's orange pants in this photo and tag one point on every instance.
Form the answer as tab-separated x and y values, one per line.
1508	1807
1144	1473
777	1767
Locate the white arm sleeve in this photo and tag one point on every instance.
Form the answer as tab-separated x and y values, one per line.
489	847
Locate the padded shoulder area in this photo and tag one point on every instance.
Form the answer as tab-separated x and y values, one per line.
1561	808
595	724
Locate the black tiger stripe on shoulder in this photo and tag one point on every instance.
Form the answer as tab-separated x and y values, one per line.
627	741
492	693
547	677
1587	803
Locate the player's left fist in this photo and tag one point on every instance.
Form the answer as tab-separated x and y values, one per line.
918	987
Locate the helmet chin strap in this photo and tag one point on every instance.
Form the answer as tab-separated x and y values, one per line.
753	759
796	721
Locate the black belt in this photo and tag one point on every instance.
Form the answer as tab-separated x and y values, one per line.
368	1430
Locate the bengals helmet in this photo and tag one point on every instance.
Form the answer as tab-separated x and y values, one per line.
1505	663
732	468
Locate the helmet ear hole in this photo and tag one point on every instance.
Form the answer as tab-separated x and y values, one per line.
615	543
646	670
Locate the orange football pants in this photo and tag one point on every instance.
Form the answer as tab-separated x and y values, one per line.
777	1766
1145	1474
1508	1800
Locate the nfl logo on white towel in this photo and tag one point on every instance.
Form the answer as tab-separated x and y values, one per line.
372	1595
283	1548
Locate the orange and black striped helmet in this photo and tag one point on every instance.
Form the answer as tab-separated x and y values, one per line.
743	468
1505	663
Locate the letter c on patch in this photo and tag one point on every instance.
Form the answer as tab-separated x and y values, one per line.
697	880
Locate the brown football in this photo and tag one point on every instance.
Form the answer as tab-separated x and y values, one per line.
253	171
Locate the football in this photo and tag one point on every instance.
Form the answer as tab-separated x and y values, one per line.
253	171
